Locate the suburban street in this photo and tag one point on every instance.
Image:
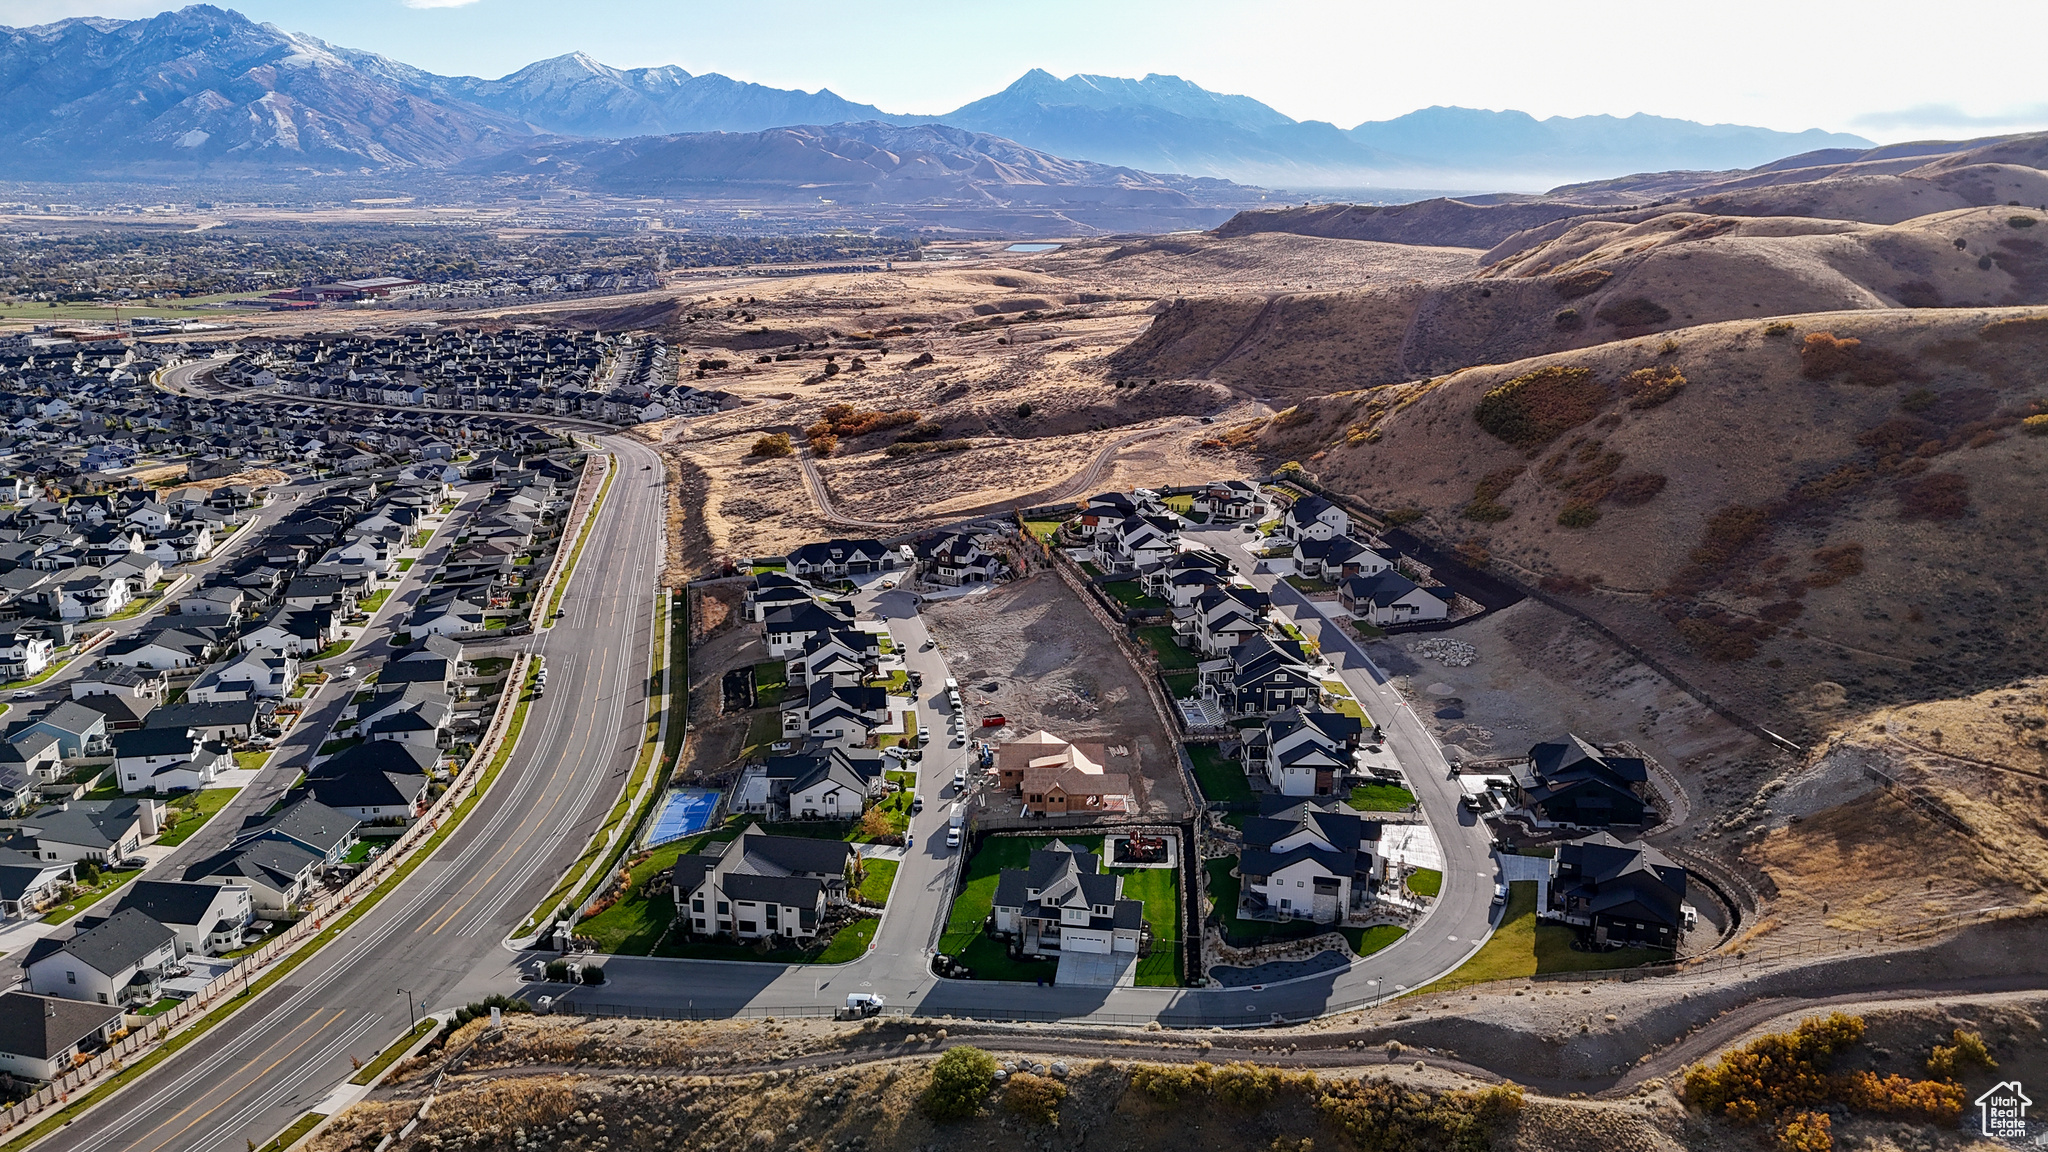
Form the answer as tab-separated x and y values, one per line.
439	934
898	964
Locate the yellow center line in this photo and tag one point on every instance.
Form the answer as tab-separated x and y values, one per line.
329	1022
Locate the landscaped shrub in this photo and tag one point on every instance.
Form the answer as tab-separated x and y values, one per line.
1636	488
1578	514
593	974
1034	1097
1635	312
1584	282
1940	496
1823	355
1379	1115
1649	387
1535	408
772	445
961	1080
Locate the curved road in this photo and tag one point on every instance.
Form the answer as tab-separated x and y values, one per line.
1074	487
898	964
437	934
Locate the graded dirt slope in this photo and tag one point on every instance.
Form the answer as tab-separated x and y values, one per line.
1876	527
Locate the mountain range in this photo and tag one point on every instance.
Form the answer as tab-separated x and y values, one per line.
203	86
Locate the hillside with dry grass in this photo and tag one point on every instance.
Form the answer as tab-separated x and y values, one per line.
1850	498
1585	282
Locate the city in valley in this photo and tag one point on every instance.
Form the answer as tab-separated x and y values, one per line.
622	607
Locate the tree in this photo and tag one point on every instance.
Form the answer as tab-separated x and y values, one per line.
961	1080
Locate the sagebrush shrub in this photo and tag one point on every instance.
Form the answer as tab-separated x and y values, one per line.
1535	408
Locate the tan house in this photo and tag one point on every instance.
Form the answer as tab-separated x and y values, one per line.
1057	777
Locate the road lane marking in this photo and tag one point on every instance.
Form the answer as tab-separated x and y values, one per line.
310	1037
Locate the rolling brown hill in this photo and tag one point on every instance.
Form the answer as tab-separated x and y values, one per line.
1849	498
1585	281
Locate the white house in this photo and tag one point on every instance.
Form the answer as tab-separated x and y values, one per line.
1063	902
1314	518
206	918
24	654
117	961
1306	862
43	1037
166	760
760	885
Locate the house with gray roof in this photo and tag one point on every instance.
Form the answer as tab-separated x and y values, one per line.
762	886
277	873
101	831
118	961
78	730
326	832
29	885
206	918
1305	861
41	1037
1062	901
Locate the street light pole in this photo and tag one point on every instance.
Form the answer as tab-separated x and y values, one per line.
411	1013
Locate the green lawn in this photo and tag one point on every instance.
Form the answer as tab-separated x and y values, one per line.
251	759
358	852
907	736
897	683
1425	882
771	679
1172	656
1043	529
849	943
1131	594
1221	779
375	600
764	729
1223	889
110	883
295	1133
880	876
632	926
1344	702
1182	504
963	938
1522	947
406	564
159	1008
1159	888
1183	684
1381	798
1305	584
194	810
335	747
331	651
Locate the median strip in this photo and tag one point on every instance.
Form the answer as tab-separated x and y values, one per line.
568	566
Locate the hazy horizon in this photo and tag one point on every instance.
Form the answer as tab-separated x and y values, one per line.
1753	64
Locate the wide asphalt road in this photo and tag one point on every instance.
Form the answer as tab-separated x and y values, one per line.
438	934
898	965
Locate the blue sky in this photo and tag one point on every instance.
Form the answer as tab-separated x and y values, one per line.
1876	68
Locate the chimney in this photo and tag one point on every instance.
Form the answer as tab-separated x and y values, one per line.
64	805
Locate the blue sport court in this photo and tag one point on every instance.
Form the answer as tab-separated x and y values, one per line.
683	812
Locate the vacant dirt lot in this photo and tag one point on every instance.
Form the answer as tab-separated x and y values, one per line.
1031	652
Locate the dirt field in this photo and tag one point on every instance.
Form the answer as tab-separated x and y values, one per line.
1030	652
